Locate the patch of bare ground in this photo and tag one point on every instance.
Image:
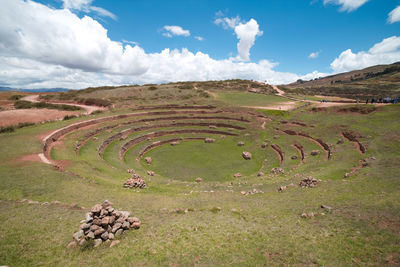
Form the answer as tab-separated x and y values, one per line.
13	117
277	106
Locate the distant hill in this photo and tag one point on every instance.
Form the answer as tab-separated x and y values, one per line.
376	81
40	90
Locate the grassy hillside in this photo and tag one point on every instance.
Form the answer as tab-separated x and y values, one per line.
216	222
377	81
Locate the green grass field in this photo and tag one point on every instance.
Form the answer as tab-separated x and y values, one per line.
222	227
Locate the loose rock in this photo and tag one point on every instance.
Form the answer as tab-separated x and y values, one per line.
315	152
151	173
199	180
308	182
209	140
237	175
277	171
148	160
260	173
241	143
246	155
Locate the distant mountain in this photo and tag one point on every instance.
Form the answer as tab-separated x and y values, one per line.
40	90
376	81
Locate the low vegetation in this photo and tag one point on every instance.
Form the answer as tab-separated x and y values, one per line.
22	104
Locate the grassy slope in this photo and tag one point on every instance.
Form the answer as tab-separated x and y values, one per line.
264	229
248	99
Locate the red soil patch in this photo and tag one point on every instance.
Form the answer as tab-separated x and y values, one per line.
13	117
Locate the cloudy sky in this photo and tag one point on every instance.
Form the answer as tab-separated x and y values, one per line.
81	43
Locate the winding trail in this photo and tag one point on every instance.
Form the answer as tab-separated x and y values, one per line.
89	109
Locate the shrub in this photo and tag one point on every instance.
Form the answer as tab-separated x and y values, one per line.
15	97
152	88
94	102
68	117
21	104
7	129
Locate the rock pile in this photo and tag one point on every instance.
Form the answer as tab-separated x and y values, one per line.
209	140
308	182
135	182
246	155
103	223
277	171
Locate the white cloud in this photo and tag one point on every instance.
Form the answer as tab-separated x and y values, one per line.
347	5
385	52
246	32
76	52
227	23
173	30
85	6
314	55
394	15
199	38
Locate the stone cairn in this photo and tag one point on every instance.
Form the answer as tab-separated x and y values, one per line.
308	182
135	182
102	224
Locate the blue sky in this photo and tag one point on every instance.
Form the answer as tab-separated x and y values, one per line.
285	33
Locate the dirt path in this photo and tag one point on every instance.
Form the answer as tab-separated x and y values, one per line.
89	109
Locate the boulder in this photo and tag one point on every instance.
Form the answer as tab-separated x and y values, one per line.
294	157
209	140
246	155
315	152
264	145
237	175
148	160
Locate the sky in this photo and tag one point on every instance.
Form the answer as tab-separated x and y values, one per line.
81	43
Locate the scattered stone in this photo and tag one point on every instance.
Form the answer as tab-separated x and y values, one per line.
212	127
260	173
199	180
303	215
308	182
246	134
251	192
102	224
326	207
175	143
130	170
137	182
340	141
246	155
151	173
148	160
347	175
241	143
209	140
315	152
264	145
276	136
281	188
277	171
294	157
114	243
237	175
